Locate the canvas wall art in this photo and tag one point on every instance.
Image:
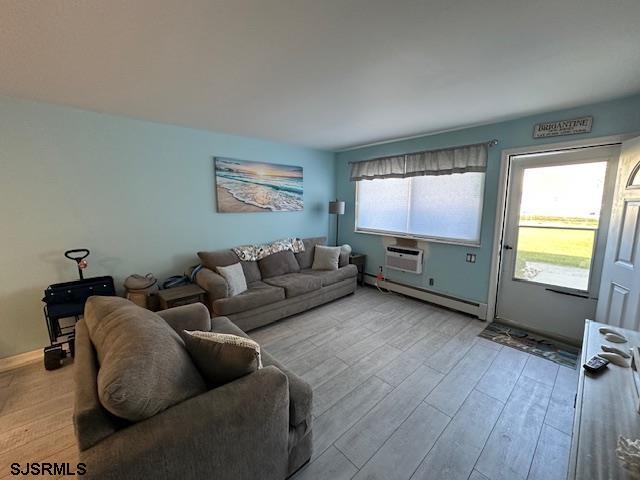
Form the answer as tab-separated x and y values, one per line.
244	186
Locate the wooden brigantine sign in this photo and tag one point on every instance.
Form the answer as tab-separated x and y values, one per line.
563	127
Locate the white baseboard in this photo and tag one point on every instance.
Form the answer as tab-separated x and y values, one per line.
472	308
17	361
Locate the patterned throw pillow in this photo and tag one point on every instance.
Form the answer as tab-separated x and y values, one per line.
222	357
252	253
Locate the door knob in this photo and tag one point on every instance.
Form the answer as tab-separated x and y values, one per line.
507	247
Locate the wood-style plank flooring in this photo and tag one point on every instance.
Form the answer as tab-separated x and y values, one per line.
35	417
403	390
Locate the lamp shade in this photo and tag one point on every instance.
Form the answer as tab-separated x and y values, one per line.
336	207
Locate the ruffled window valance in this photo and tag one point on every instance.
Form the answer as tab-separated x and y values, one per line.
467	158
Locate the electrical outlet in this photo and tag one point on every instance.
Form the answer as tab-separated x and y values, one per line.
431	282
471	257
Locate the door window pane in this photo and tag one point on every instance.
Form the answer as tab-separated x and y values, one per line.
634	180
558	224
560	257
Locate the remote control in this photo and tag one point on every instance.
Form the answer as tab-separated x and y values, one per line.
596	364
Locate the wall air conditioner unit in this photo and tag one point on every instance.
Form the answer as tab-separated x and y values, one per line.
405	259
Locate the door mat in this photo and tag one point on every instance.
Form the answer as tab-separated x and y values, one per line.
558	352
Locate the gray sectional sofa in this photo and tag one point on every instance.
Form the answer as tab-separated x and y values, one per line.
257	426
279	285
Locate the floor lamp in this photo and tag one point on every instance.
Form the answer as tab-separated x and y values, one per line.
336	208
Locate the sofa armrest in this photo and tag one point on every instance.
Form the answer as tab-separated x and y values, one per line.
194	316
300	393
239	430
215	285
92	423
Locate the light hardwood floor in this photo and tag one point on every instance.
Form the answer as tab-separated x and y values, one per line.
403	390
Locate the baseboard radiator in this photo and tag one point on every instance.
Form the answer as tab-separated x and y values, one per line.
472	308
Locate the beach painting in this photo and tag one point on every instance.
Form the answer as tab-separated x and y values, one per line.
244	186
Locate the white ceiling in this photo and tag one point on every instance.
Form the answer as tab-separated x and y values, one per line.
320	73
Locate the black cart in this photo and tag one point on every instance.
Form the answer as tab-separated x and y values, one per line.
65	301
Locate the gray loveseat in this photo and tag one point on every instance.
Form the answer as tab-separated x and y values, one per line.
279	285
257	426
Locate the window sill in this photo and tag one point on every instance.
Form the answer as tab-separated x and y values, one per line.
446	241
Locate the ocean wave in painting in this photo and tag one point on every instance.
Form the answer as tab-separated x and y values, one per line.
260	185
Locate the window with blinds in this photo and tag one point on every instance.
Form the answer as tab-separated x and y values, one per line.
444	208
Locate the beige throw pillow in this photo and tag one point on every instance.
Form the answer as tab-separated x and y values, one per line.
234	275
326	258
222	357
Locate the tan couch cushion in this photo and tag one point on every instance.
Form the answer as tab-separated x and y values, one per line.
329	277
257	295
144	366
305	259
224	258
278	264
295	284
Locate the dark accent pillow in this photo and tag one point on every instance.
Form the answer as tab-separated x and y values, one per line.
224	258
278	264
144	366
222	357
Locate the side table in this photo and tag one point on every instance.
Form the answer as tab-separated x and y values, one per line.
174	297
359	260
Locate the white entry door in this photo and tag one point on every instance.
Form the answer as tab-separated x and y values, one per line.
554	239
619	302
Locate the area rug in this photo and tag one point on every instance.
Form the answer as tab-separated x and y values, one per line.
558	352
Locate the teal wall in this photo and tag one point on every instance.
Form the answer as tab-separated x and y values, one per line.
140	195
444	262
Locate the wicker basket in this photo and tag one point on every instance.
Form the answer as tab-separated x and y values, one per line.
143	290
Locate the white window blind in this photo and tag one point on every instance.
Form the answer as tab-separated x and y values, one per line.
440	207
